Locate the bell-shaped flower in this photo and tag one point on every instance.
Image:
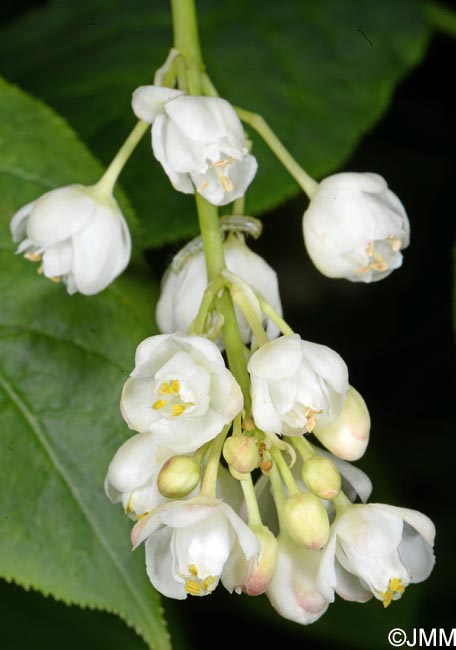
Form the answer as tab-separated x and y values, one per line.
79	236
132	474
293	592
199	141
180	391
296	383
188	544
378	550
355	227
182	290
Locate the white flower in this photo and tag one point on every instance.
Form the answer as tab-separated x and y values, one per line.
188	544
376	549
78	235
182	291
292	591
199	141
180	391
132	474
355	227
294	384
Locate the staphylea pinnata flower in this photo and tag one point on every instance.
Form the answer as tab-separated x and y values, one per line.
78	234
355	227
376	549
199	141
180	391
182	289
294	383
132	474
188	544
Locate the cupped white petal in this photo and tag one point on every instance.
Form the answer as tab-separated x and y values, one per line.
58	259
160	565
135	462
199	118
149	101
18	224
181	182
416	554
277	359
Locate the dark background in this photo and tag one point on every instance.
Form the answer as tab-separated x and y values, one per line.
396	337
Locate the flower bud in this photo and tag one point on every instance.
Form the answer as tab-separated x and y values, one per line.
321	477
241	454
179	476
264	565
306	520
347	435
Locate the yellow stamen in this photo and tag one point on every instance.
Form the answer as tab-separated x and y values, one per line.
396	244
32	257
39	270
55	278
227	184
208	582
363	269
202	187
175	387
370	248
193	588
379	266
159	404
177	409
142	515
164	388
396	585
310	426
193	570
386	597
220	163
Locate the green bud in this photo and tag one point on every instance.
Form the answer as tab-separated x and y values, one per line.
241	454
179	476
306	520
321	477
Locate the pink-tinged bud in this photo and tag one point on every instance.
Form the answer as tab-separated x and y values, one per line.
179	476
241	454
347	435
306	520
264	565
321	477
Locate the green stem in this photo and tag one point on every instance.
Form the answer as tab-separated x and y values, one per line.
242	301
257	122
253	511
303	447
273	315
287	476
277	493
197	327
342	502
186	41
215	263
109	178
208	487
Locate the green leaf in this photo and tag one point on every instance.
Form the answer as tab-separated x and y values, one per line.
321	72
63	362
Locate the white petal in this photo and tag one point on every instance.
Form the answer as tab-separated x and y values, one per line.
266	416
199	118
328	364
58	259
182	154
415	519
159	565
148	101
277	359
416	554
136	405
100	251
134	463
19	221
246	537
186	434
181	182
179	514
349	586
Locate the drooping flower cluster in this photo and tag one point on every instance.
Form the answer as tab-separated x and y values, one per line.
281	515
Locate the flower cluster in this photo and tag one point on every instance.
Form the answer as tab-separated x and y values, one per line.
239	471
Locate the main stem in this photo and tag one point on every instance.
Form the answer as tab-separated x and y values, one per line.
186	41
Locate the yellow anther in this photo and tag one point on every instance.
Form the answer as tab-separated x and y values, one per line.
370	248
379	266
177	409
39	270
159	404
220	163
386	597
193	570
310	426
193	588
209	582
396	585
175	387
55	278
128	509
396	244
32	257
142	515
164	388
227	184
363	269
202	187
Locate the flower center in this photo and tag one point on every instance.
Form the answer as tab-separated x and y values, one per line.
380	256
221	169
169	399
197	587
395	591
